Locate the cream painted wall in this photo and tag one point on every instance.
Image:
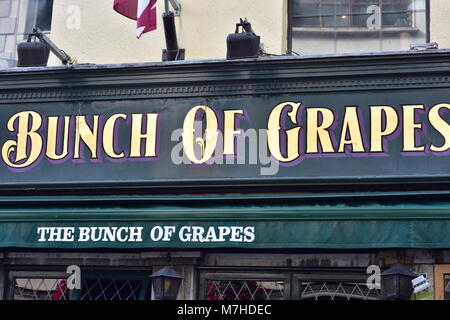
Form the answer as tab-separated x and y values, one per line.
107	37
440	22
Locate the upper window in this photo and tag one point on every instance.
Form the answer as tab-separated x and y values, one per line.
17	20
346	26
353	13
39	14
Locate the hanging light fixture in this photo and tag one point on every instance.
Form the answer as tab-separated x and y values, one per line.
166	283
396	283
35	53
32	54
246	44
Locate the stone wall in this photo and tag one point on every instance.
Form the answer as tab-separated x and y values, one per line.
8	30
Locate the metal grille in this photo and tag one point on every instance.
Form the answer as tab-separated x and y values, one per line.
338	291
245	290
110	289
40	289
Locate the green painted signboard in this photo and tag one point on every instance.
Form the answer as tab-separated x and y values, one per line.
354	120
225	234
222	130
330	225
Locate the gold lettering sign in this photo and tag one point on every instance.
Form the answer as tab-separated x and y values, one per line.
230	131
274	128
149	136
441	126
351	127
294	132
109	136
208	144
377	130
19	146
319	133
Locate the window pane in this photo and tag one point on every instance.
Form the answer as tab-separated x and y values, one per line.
368	2
40	289
336	16
336	1
395	15
307	15
110	289
245	290
44	14
39	13
332	290
360	16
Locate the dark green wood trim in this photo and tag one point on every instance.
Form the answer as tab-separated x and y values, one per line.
371	71
215	197
307	212
324	184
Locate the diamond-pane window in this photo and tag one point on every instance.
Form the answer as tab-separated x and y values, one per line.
110	289
337	291
245	290
40	289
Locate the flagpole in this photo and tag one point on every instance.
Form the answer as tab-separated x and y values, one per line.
173	52
166	5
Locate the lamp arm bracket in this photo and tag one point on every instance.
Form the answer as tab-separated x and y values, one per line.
176	5
63	56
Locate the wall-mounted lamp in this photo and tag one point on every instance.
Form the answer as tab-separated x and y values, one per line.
166	284
241	45
396	283
36	53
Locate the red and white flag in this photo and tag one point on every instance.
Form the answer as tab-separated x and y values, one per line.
143	11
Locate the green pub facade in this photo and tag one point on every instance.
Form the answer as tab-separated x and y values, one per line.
270	178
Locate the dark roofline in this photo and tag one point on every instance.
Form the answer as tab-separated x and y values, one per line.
280	58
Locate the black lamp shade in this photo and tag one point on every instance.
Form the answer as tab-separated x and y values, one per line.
243	45
396	283
32	54
166	283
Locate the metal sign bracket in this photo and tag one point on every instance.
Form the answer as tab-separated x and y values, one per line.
176	5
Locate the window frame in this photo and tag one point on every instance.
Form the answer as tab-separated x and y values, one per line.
13	275
350	5
145	292
204	277
292	277
290	25
440	271
337	276
32	17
